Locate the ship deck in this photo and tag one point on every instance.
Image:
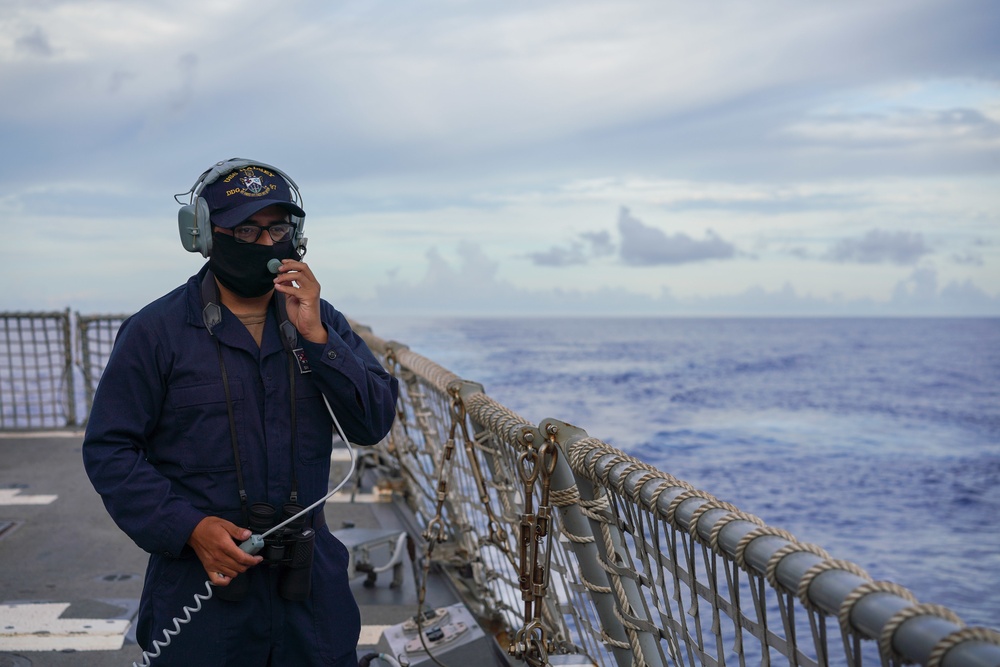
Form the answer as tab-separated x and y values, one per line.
70	580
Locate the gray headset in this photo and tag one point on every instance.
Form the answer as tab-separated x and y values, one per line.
193	218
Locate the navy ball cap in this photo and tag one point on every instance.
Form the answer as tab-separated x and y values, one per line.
236	196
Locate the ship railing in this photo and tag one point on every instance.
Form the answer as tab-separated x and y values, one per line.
562	544
626	564
49	363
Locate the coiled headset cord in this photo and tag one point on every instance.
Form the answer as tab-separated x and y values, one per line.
251	546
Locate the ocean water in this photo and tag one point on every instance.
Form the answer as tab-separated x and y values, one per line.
878	439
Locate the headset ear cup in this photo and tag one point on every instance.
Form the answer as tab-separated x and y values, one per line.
188	227
204	227
195	228
299	239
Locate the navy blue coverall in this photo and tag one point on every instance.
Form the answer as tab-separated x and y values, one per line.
158	450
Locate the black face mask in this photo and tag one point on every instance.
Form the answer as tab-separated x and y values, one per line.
242	267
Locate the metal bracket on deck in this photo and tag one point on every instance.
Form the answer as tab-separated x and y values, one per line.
360	542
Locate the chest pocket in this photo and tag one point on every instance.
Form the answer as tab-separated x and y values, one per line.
199	438
315	430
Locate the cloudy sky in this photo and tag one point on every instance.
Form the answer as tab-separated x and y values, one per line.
724	158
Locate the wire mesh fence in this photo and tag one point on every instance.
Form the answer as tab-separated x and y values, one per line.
49	363
96	334
36	371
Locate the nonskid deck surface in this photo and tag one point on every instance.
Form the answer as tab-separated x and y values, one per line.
70	580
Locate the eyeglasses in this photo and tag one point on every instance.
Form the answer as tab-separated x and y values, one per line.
247	233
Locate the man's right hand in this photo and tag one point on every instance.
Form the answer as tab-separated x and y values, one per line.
216	542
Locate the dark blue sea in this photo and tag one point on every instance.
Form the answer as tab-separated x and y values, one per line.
878	439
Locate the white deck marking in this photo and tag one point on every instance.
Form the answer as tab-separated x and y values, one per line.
37	627
12	497
360	498
370	634
23	435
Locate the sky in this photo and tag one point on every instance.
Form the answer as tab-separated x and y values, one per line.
773	158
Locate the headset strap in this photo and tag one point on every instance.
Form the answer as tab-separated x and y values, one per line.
212	315
232	436
289	339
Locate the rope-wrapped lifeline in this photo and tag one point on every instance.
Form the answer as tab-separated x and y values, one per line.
974	634
741	547
438	376
709	505
820	568
609	465
788	550
902	616
632	491
497	418
724	521
670	515
868	588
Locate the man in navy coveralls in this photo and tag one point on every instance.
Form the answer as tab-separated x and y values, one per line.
180	402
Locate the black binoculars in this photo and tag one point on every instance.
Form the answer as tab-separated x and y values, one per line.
289	550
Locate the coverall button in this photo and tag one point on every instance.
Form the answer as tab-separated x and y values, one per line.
331	355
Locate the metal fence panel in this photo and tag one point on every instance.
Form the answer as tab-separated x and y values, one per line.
96	335
48	362
36	371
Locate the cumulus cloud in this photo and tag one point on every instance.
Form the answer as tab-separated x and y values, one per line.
600	243
880	247
118	79
967	258
643	245
919	294
187	64
588	246
907	127
921	286
472	287
560	256
34	42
